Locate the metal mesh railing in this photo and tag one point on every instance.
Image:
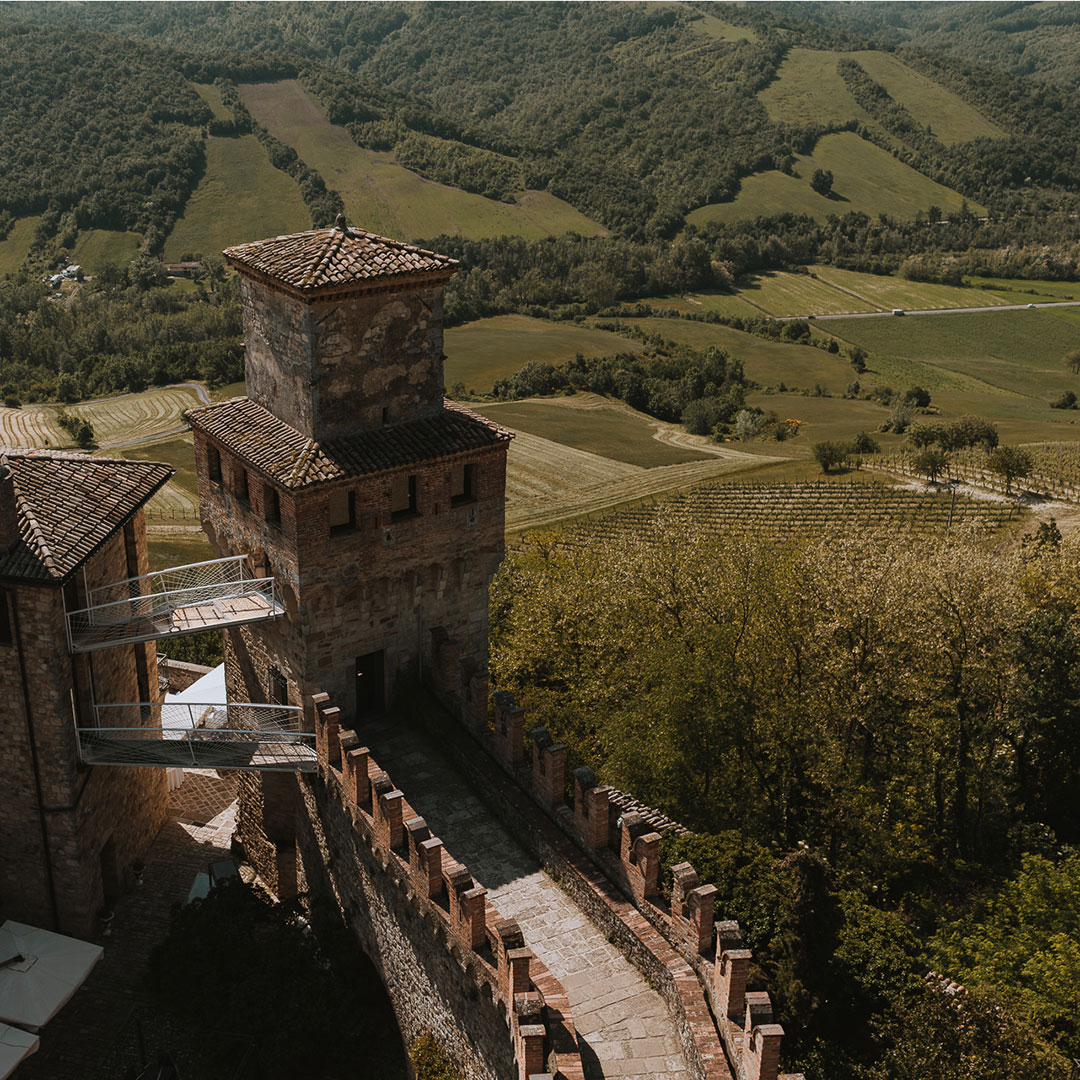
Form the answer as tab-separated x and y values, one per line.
181	600
198	736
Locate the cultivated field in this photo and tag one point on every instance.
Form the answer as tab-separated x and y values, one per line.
826	290
117	421
241	197
799	509
548	482
386	198
948	116
879	292
99	247
824	418
1019	351
480	352
16	245
32	425
596	425
1028	291
866	178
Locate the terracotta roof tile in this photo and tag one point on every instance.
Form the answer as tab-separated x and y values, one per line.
68	505
294	461
330	259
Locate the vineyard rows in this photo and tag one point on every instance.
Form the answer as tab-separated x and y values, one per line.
794	509
1055	470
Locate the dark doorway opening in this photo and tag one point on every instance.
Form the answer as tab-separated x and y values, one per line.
370	684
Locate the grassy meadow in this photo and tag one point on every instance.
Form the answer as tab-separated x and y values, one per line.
212	96
480	352
386	198
97	248
808	90
949	117
241	197
879	292
866	178
179	499
16	245
1017	351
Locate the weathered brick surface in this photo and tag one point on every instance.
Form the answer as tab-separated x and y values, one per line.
80	810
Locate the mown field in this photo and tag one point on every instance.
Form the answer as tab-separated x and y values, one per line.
480	352
826	290
97	248
594	424
866	178
1019	351
241	197
16	245
879	292
386	198
116	420
719	30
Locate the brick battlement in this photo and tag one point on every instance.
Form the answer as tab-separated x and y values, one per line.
699	964
489	949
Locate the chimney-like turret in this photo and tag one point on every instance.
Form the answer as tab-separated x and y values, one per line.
343	330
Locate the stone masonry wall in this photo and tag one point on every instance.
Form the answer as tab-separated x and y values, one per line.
452	965
84	808
334	367
385	584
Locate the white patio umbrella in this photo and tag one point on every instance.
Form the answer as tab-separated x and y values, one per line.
15	1045
48	968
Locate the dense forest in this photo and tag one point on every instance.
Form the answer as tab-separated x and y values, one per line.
875	741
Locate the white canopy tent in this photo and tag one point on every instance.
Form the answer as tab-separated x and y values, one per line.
40	972
15	1046
209	690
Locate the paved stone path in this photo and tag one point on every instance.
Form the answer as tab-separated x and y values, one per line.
623	1025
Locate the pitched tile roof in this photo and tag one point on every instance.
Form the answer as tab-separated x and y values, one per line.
68	505
295	461
329	260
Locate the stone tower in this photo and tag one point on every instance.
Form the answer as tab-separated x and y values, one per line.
345	474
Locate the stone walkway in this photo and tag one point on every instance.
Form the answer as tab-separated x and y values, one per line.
623	1025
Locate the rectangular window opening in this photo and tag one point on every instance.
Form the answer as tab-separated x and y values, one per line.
277	687
402	497
242	491
213	464
462	484
342	506
5	619
271	505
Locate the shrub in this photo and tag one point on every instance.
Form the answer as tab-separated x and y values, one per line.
429	1061
1066	401
832	455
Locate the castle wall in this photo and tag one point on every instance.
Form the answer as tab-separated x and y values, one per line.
334	367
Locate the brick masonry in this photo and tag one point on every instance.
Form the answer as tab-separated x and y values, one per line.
94	823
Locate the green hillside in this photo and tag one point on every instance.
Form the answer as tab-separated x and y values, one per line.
99	247
15	246
386	198
866	178
241	197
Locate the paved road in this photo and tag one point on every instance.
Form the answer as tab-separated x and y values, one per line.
623	1026
934	311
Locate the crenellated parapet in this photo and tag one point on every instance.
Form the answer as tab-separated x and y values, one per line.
441	891
728	1031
